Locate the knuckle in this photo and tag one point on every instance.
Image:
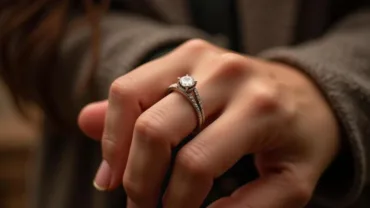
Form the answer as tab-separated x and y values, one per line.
134	190
234	64
150	126
302	192
266	100
120	91
231	67
194	46
109	147
300	189
191	161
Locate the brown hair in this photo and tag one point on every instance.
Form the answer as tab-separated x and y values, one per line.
30	35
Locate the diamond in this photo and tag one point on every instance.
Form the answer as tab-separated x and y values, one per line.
187	81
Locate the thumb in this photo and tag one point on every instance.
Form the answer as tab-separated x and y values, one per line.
91	119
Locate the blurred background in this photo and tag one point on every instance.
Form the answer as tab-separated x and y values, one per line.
18	141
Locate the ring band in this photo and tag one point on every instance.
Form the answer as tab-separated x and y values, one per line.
186	87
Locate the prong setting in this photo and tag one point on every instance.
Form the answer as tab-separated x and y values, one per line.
187	83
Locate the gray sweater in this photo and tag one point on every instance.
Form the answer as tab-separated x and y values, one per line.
337	59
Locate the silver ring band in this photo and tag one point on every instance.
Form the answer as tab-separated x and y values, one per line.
200	104
186	87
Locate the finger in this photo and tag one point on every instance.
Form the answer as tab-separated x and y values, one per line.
91	119
276	190
167	123
239	131
129	96
158	130
211	153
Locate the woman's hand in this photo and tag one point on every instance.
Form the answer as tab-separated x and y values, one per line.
251	106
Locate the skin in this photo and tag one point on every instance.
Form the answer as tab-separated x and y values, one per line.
252	106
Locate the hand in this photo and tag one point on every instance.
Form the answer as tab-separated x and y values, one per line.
252	107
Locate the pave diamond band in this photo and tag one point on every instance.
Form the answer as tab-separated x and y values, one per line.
186	87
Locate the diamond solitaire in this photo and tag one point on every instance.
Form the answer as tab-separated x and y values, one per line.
187	82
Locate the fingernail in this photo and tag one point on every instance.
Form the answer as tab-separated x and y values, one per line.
103	177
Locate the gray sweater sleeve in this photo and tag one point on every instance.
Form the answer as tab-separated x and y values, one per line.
126	41
339	63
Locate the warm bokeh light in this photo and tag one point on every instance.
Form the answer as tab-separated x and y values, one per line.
18	139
